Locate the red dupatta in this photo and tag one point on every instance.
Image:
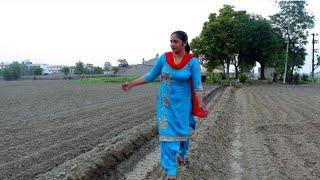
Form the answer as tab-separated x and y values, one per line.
196	109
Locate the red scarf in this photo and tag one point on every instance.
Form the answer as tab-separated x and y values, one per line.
196	109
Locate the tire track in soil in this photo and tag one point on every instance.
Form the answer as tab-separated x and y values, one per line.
250	156
290	162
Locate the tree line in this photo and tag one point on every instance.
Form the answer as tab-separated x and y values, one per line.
241	39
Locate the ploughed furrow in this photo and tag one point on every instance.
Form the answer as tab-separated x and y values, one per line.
77	144
72	126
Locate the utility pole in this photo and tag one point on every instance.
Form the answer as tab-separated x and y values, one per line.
287	54
313	50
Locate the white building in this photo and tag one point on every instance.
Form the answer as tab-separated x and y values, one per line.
4	65
55	69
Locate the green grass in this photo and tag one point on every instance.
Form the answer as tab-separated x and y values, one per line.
103	80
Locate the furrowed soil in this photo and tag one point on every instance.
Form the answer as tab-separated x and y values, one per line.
58	129
253	132
46	123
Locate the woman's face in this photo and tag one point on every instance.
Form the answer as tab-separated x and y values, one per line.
176	44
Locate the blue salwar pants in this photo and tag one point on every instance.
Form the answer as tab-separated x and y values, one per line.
168	152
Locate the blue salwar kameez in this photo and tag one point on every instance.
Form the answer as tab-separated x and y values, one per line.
174	105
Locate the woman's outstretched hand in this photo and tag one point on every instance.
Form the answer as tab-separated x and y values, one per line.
126	86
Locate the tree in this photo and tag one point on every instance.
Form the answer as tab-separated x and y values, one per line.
79	69
216	42
115	70
97	70
13	71
107	66
123	63
261	42
36	71
293	21
234	37
65	70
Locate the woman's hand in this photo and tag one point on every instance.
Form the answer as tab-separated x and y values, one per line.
204	107
126	86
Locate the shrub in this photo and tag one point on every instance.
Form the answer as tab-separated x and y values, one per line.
305	78
296	78
13	72
243	78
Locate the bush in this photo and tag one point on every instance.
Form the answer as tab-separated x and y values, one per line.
305	78
296	78
223	76
215	79
13	72
243	78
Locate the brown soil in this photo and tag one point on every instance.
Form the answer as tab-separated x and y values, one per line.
44	124
253	132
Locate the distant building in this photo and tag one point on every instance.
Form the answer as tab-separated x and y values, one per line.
4	65
72	68
55	69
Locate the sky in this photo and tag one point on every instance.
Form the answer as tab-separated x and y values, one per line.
62	32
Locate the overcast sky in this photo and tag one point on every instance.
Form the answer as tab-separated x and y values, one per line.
62	32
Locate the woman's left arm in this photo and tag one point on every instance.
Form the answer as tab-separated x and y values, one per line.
196	80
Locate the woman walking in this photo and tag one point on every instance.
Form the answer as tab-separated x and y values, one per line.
180	80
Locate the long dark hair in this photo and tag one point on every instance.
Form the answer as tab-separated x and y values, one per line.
184	38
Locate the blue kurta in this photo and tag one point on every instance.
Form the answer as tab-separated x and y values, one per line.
174	101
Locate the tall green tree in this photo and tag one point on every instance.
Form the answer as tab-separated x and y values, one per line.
234	37
261	43
216	43
79	69
293	22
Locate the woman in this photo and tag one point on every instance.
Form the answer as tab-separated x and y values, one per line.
180	74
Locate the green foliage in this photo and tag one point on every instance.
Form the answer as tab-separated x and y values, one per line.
215	79
223	76
243	78
115	70
79	69
97	70
36	71
292	23
13	72
102	80
234	37
65	70
305	78
296	78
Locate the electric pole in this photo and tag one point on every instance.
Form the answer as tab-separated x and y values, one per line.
313	50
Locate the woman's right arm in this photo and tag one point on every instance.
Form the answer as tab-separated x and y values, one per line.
152	75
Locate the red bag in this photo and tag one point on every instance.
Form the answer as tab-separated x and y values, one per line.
197	110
